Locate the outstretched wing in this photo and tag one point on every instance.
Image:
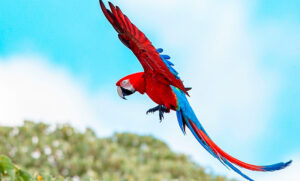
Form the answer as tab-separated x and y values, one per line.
187	117
140	45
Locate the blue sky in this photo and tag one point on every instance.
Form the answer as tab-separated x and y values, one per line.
73	34
218	47
282	56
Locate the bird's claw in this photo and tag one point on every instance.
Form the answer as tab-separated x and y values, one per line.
152	110
161	109
161	115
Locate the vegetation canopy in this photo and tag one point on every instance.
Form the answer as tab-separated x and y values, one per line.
62	153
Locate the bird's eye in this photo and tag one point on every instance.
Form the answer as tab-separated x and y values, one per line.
124	82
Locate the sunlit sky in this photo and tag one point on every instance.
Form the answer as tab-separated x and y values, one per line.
59	61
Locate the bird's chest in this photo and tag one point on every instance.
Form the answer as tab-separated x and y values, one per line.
160	93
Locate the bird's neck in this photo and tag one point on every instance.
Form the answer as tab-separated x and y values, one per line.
138	82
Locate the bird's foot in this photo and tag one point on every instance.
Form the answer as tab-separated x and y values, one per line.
161	109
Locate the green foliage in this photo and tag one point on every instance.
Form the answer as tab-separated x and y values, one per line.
10	172
61	151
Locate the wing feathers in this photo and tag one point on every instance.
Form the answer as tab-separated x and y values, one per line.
129	25
136	40
113	9
106	13
122	20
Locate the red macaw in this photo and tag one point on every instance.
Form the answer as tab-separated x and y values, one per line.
161	83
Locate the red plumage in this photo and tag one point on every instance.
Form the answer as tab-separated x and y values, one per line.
161	94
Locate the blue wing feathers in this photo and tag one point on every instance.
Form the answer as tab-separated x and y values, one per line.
166	57
159	50
169	64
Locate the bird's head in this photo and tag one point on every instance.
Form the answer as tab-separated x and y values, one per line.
130	84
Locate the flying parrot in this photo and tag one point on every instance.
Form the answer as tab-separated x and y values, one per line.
160	81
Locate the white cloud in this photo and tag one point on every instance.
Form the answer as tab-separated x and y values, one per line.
33	89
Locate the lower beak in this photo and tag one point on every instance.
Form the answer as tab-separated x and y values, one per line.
120	92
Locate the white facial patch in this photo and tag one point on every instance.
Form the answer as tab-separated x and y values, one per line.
127	85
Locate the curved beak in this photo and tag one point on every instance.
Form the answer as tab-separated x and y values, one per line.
124	92
120	92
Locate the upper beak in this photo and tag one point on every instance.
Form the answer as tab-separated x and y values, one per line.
120	92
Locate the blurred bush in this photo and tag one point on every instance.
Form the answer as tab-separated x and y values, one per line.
8	172
61	151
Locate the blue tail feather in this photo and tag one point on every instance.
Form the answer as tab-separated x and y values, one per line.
277	166
237	170
181	121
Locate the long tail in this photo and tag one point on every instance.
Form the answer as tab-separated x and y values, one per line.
187	117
